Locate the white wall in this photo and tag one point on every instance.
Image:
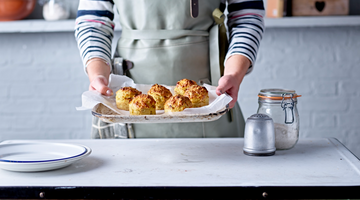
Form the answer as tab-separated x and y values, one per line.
41	84
321	64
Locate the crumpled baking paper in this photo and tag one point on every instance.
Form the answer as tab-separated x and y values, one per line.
91	98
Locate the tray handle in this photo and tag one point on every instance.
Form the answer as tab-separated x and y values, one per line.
96	114
227	109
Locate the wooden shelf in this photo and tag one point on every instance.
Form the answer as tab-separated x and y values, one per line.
40	25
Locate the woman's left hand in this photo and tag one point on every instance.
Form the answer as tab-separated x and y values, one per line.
230	85
235	69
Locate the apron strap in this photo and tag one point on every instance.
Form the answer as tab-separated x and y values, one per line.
218	46
160	34
218	49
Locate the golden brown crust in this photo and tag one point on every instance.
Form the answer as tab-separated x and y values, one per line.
142	104
177	103
161	94
124	96
182	85
198	95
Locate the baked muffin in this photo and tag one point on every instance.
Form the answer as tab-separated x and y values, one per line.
198	95
142	104
161	94
177	103
124	96
182	85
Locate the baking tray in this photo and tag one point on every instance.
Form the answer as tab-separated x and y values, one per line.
109	116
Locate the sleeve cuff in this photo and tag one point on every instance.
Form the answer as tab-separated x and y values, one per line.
252	63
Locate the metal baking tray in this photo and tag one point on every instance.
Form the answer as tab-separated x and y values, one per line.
109	116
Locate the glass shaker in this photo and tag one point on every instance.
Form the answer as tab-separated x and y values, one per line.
280	105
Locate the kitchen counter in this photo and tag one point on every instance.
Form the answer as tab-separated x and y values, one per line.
193	168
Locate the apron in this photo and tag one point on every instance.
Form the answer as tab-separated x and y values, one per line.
166	43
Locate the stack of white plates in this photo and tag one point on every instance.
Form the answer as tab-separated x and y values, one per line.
40	156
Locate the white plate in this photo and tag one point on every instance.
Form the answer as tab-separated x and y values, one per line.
40	156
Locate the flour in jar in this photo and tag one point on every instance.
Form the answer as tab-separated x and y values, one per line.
55	11
286	136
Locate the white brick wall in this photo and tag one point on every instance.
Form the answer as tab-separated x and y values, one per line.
42	80
322	64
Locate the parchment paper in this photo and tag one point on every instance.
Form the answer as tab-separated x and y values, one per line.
92	98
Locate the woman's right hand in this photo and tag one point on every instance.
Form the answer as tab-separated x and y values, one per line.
98	72
100	84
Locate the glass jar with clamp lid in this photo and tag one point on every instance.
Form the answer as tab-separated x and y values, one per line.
281	106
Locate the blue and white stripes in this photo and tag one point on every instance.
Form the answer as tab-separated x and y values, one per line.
246	27
94	28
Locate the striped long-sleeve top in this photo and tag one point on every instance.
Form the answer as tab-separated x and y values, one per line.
94	28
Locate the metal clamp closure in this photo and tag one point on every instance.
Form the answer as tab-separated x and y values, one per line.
288	105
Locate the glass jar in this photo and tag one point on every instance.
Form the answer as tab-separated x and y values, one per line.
55	9
280	105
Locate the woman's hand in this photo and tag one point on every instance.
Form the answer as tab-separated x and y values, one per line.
99	83
98	73
230	85
235	69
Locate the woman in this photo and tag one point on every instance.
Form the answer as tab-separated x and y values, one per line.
168	41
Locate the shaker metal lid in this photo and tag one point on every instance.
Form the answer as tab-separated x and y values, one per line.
259	116
276	94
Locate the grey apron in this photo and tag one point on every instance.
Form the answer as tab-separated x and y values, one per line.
166	44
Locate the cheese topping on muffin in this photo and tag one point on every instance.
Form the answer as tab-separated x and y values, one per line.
142	104
198	95
182	85
161	94
177	103
124	96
